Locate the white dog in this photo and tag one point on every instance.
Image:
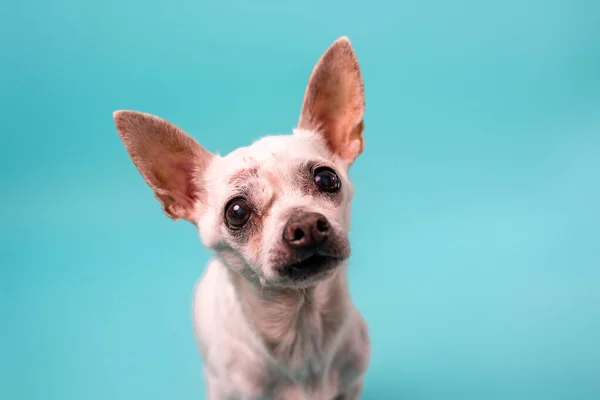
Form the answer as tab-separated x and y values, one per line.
272	313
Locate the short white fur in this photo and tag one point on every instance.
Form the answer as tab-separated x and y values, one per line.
261	334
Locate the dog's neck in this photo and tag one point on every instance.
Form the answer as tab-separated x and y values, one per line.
296	325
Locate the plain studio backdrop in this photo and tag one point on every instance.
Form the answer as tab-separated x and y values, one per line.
476	247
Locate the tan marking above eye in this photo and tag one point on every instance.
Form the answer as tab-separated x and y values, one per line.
273	178
243	175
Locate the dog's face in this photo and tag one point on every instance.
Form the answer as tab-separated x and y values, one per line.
278	211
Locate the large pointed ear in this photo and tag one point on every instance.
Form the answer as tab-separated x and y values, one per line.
171	162
334	102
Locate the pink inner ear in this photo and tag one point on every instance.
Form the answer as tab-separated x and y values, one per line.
182	175
174	177
168	159
334	100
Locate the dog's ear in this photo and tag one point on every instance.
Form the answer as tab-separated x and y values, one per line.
334	102
171	162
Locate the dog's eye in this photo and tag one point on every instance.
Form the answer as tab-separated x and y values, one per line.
327	180
237	213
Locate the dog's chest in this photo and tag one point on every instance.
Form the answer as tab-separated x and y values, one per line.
314	358
251	373
264	378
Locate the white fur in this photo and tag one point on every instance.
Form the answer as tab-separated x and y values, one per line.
324	359
272	313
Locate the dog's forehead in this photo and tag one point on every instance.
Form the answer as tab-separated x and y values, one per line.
275	152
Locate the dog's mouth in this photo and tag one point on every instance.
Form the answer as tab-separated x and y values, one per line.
311	266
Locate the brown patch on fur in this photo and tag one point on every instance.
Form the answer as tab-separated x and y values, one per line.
244	180
334	102
254	240
274	179
170	161
243	175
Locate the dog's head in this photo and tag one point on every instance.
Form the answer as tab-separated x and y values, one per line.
278	211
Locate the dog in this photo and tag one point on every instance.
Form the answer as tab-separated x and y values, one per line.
272	313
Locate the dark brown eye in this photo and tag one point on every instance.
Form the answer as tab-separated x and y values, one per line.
327	180
237	213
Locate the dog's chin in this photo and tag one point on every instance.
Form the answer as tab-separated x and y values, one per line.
309	271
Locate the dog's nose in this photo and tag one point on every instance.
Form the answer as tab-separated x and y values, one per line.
306	231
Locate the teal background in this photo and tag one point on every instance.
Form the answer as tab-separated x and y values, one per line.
476	242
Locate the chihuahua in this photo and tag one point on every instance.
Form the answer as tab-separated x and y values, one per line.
272	313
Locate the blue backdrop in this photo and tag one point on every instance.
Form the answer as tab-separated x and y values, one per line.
476	243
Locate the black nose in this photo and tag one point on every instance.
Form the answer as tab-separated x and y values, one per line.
306	231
